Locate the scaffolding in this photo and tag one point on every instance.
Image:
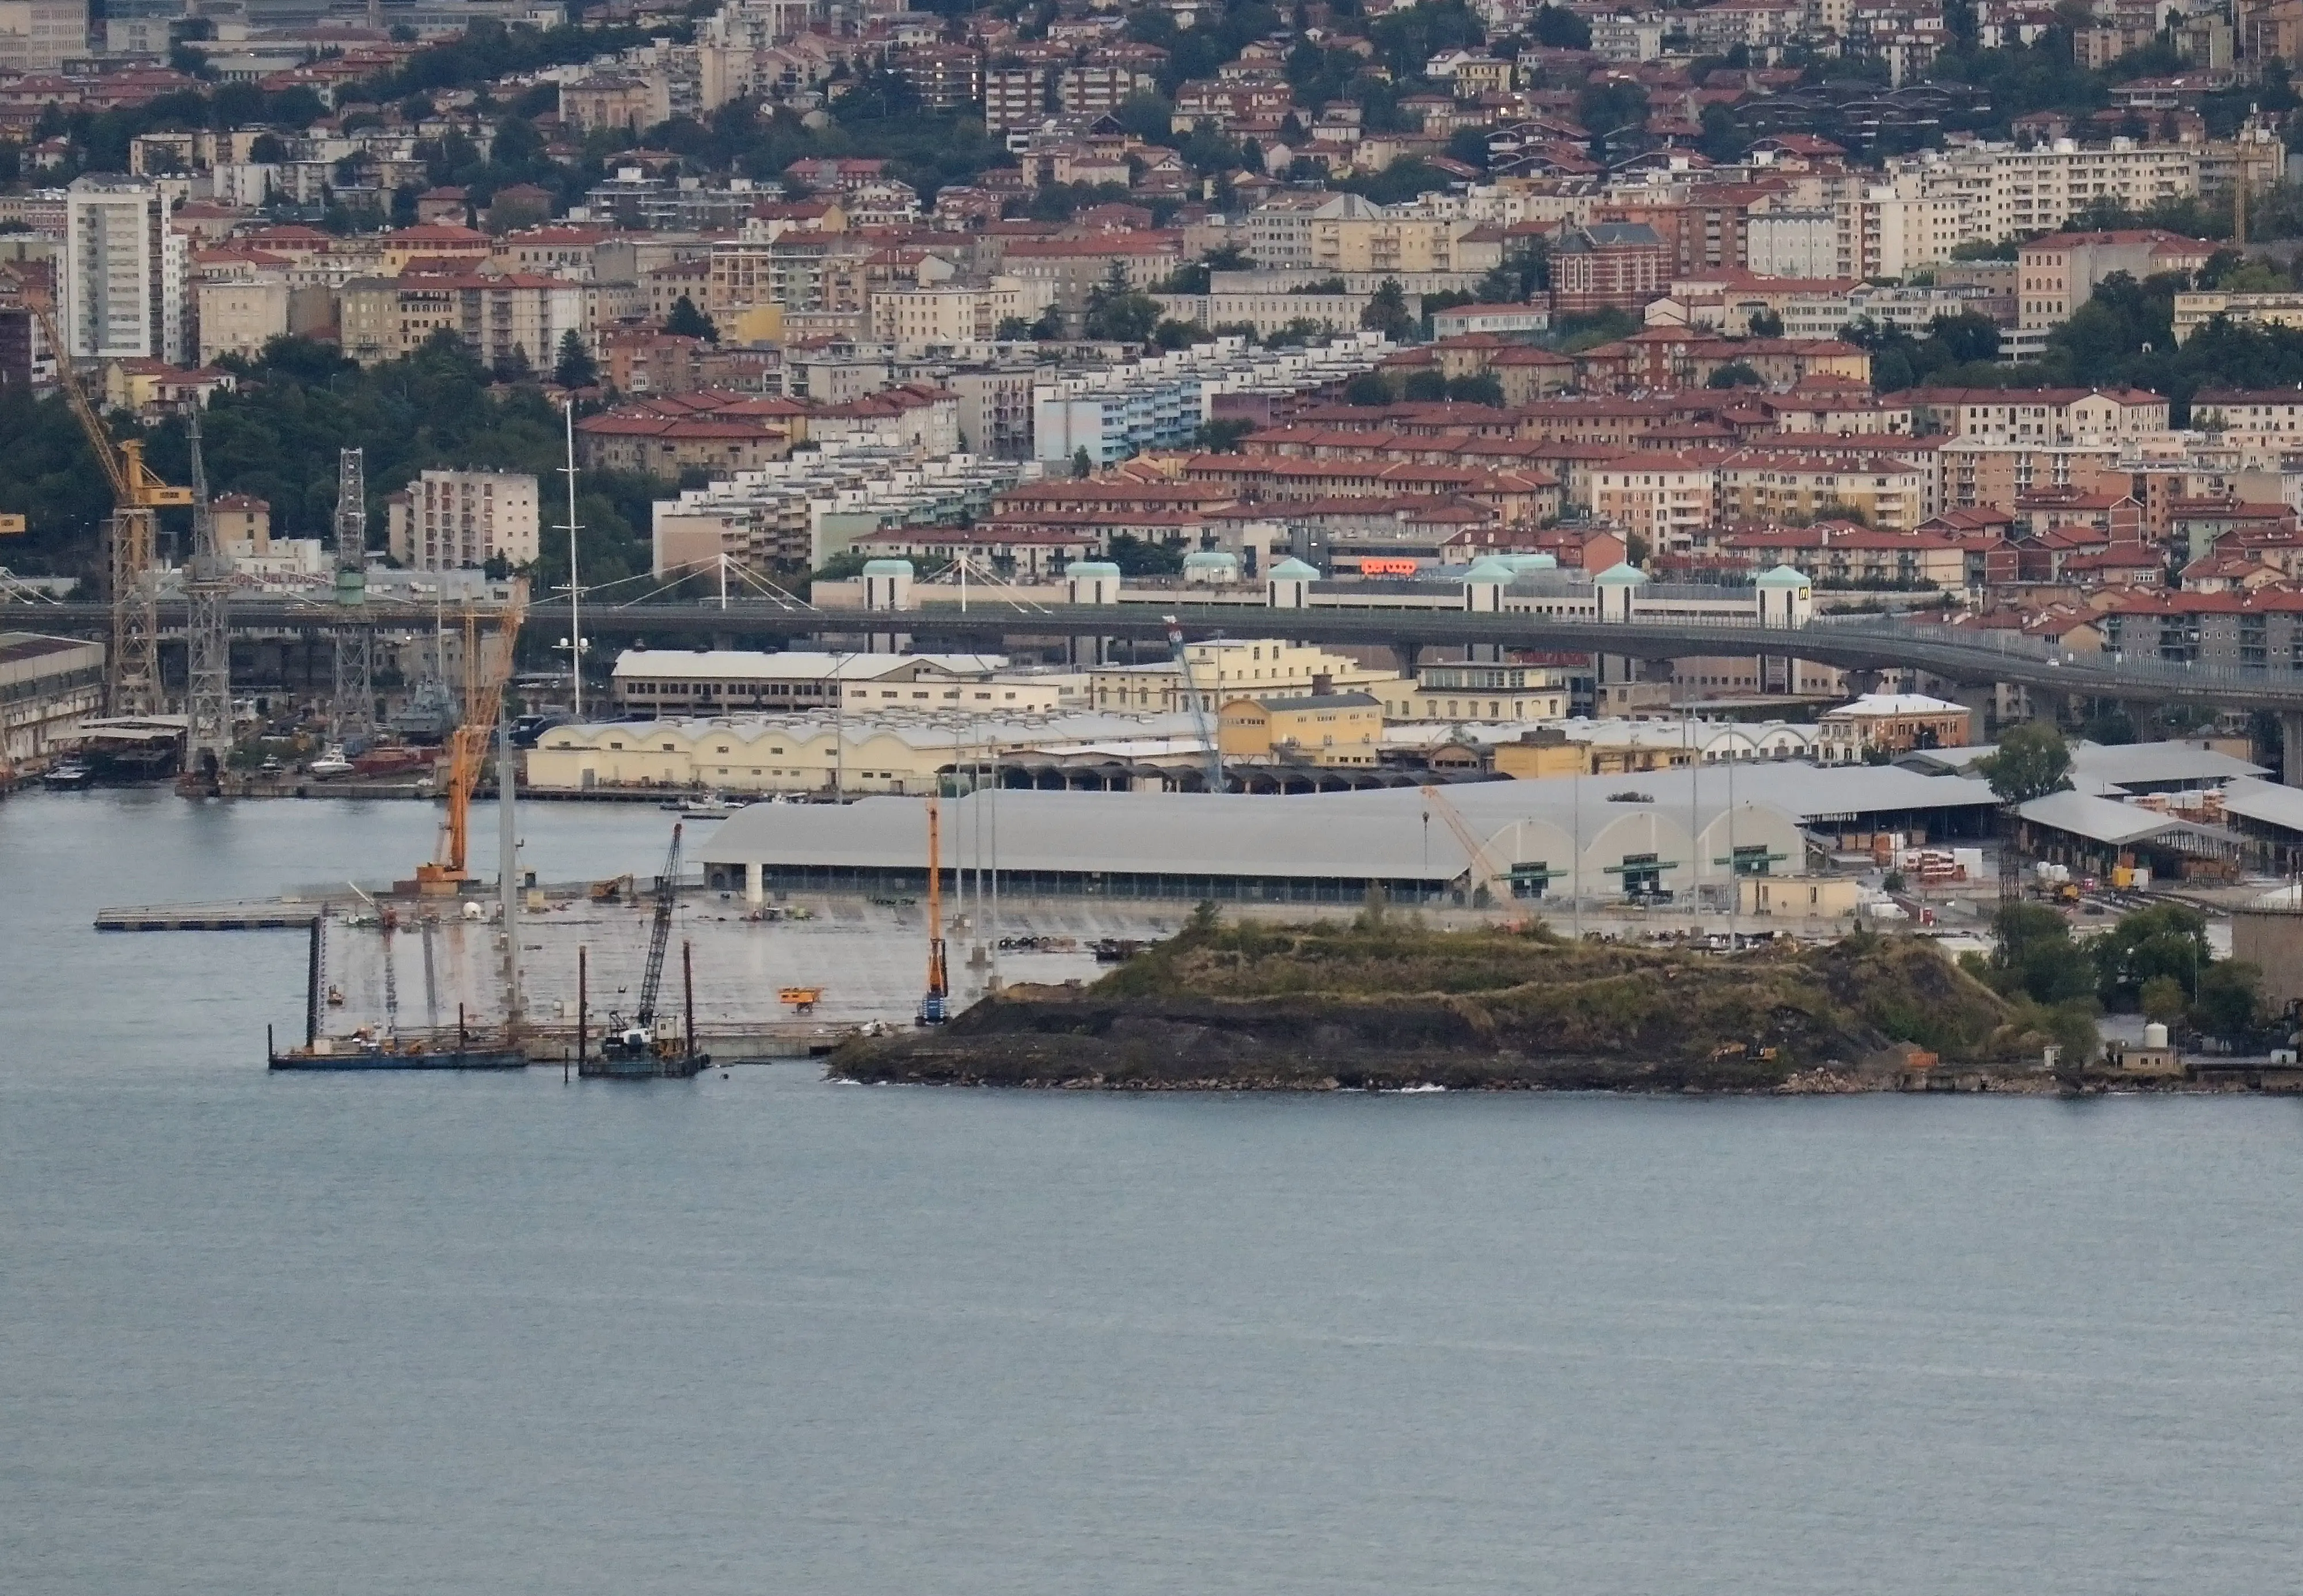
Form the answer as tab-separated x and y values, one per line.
207	629
352	706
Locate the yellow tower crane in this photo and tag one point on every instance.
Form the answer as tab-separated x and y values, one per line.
137	492
485	679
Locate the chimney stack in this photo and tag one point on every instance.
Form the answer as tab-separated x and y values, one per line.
1322	684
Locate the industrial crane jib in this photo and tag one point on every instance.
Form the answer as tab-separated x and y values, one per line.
633	1047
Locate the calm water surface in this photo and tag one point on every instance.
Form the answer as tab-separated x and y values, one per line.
765	1334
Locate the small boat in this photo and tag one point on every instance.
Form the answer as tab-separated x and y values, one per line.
70	776
331	763
717	807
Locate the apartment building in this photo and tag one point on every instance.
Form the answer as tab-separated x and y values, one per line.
1344	232
2195	310
241	313
2059	272
1667	499
1070	269
505	320
39	35
125	272
2030	417
995	411
2268	421
1763	487
946	77
446	521
1792	243
2003	191
954	313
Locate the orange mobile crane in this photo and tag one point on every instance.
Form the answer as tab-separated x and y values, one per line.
485	679
137	492
935	1007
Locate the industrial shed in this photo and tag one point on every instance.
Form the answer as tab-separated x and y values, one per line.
1599	838
2095	834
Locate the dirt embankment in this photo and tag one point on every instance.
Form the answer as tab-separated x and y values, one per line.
1386	1005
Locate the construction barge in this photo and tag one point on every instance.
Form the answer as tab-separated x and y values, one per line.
373	1048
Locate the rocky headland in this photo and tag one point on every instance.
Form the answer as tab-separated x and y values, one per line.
1387	1004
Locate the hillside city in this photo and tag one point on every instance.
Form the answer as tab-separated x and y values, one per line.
1974	311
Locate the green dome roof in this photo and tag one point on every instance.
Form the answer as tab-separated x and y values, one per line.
887	568
1783	576
1294	571
1624	574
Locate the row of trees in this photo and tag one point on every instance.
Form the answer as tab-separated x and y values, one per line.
2155	961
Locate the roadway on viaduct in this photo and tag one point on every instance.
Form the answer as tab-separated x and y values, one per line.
1969	658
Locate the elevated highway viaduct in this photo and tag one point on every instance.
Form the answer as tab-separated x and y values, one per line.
1971	659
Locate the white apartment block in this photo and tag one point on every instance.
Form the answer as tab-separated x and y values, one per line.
124	279
1891	229
2000	191
1792	243
447	519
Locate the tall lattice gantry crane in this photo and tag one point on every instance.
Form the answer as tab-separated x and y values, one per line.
351	709
136	493
208	632
486	674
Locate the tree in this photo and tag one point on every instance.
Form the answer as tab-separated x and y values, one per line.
574	367
687	321
2035	957
1222	437
1480	388
1140	557
1967	336
1082	466
1117	311
2230	1000
1766	323
2162	999
1368	388
1737	374
2166	942
1425	385
1559	29
1013	329
1387	312
2032	762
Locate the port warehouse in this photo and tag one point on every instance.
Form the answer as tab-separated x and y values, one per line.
1589	837
47	686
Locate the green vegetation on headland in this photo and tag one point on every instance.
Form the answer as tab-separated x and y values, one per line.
1381	1003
